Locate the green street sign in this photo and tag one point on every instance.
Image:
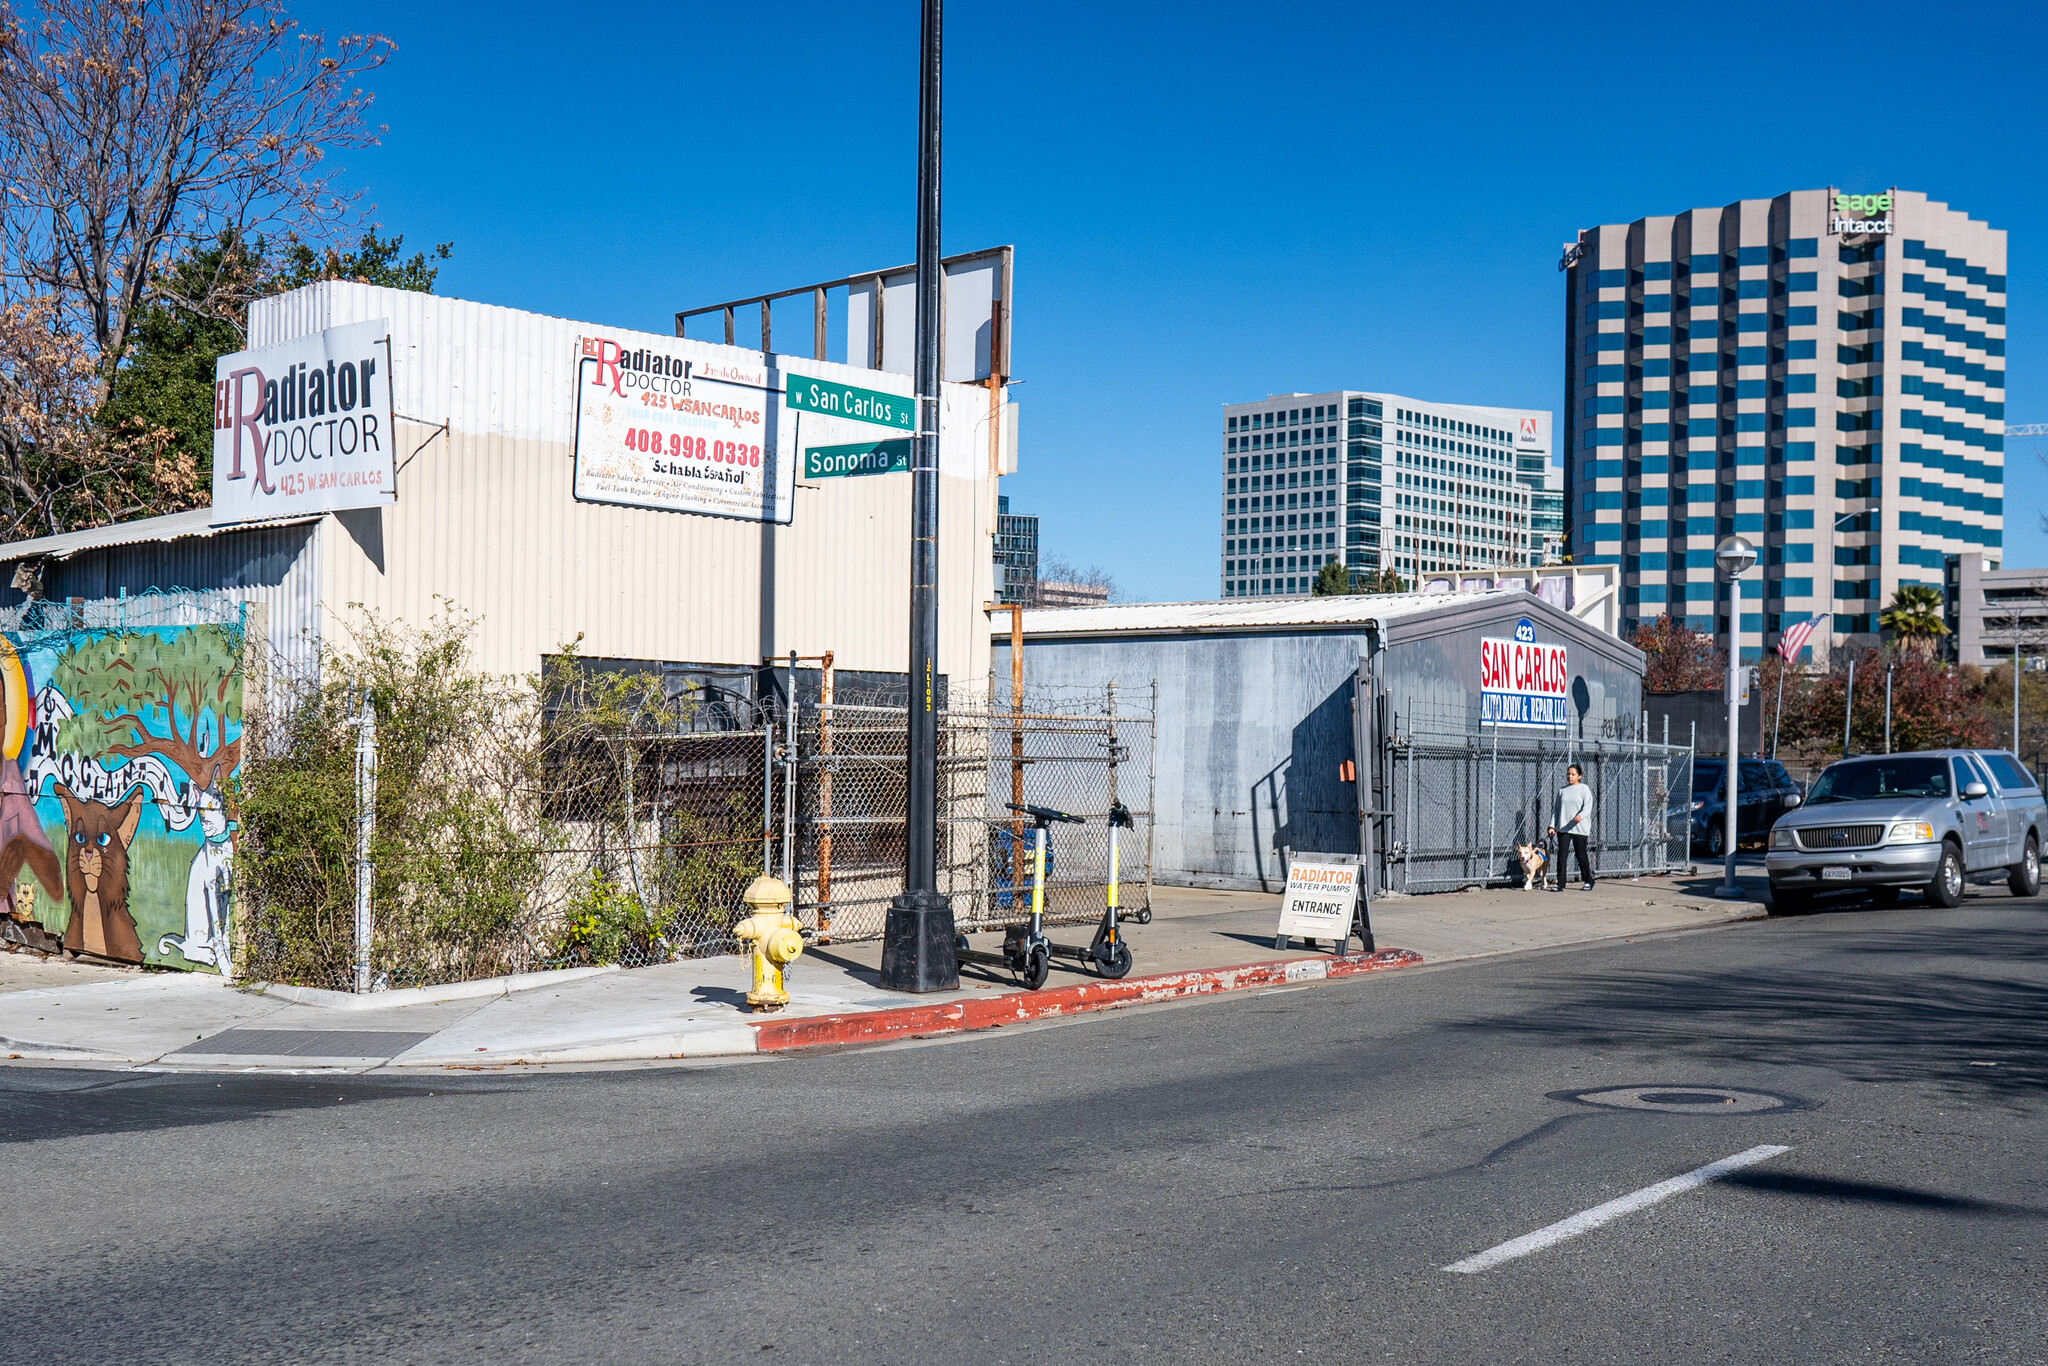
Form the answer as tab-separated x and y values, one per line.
862	457
844	400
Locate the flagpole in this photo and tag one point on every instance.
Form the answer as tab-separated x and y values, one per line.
1778	716
1800	634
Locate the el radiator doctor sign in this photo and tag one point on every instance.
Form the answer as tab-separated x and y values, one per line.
661	425
1523	682
304	426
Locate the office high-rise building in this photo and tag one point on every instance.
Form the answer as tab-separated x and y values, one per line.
1016	552
1377	481
1822	372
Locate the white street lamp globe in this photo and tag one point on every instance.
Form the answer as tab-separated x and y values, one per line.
1735	555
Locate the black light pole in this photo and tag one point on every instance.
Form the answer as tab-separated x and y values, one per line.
917	937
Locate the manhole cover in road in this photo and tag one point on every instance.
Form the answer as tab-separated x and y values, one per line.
1685	1100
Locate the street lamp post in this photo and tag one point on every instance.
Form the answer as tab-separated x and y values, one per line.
1735	555
917	935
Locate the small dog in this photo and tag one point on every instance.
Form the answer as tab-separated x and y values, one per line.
1533	860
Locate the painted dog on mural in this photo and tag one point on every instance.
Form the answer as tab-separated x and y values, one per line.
96	874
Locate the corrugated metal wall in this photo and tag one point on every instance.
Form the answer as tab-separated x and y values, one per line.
275	565
485	516
1252	728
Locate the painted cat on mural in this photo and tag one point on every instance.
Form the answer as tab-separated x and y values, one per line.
96	875
205	939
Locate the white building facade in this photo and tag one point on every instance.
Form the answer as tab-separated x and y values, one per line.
1378	481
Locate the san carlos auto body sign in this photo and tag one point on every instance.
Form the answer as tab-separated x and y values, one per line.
304	426
1522	682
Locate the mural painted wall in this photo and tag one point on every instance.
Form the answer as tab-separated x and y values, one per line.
117	750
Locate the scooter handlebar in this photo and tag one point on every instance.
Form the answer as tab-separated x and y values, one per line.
1044	814
1119	814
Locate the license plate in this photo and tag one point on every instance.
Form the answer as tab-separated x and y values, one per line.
1836	874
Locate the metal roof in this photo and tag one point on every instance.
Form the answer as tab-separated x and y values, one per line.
1244	615
176	526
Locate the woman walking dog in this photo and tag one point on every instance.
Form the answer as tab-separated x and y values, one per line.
1573	827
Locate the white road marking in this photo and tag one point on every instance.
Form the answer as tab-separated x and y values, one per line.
1614	1209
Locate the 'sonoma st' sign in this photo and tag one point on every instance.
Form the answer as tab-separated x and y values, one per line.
1523	682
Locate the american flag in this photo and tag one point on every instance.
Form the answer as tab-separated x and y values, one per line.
1793	638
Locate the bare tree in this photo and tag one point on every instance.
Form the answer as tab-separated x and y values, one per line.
1054	569
132	133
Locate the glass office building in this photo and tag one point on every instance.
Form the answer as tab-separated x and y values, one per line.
1016	551
1823	372
1378	481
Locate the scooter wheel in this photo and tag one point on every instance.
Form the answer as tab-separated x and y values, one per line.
1143	917
1037	966
960	943
1119	961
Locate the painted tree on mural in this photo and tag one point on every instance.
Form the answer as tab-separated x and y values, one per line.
144	693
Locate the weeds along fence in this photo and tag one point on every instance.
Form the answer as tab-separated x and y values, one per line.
1457	797
589	817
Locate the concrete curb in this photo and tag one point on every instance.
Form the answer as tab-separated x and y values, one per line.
712	1041
420	996
1017	1007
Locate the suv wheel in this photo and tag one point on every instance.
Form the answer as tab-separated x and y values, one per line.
1787	902
1717	840
1947	887
2026	874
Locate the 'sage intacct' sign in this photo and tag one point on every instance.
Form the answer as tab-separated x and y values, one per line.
1522	682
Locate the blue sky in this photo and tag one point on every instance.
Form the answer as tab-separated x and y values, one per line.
1209	203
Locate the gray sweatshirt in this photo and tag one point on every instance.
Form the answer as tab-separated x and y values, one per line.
1575	810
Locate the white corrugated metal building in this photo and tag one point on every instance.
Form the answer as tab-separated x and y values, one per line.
485	518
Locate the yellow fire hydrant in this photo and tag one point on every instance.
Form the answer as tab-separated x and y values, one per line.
773	932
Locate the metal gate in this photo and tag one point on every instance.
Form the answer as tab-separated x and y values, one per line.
1450	805
843	809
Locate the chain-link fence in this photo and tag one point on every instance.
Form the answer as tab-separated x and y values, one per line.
1455	801
498	825
846	827
406	822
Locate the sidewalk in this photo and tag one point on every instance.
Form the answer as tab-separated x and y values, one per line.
1199	943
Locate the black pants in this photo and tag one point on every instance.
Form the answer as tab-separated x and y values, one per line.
1582	847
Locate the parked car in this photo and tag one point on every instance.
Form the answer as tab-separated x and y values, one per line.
1765	792
1930	821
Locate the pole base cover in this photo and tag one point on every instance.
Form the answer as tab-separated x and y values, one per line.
917	944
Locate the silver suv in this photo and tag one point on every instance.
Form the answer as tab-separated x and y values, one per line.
1930	821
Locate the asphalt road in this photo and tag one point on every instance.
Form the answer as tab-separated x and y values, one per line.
1279	1177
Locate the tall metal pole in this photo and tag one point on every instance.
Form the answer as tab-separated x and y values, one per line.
917	936
366	834
1729	783
1887	709
1848	708
2015	677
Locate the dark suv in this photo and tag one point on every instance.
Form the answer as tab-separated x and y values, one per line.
1764	789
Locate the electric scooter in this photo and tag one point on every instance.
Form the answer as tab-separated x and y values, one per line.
1026	951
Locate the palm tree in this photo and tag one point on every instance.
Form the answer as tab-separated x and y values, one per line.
1914	618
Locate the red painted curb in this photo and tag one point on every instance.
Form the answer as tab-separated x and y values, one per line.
1015	1007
